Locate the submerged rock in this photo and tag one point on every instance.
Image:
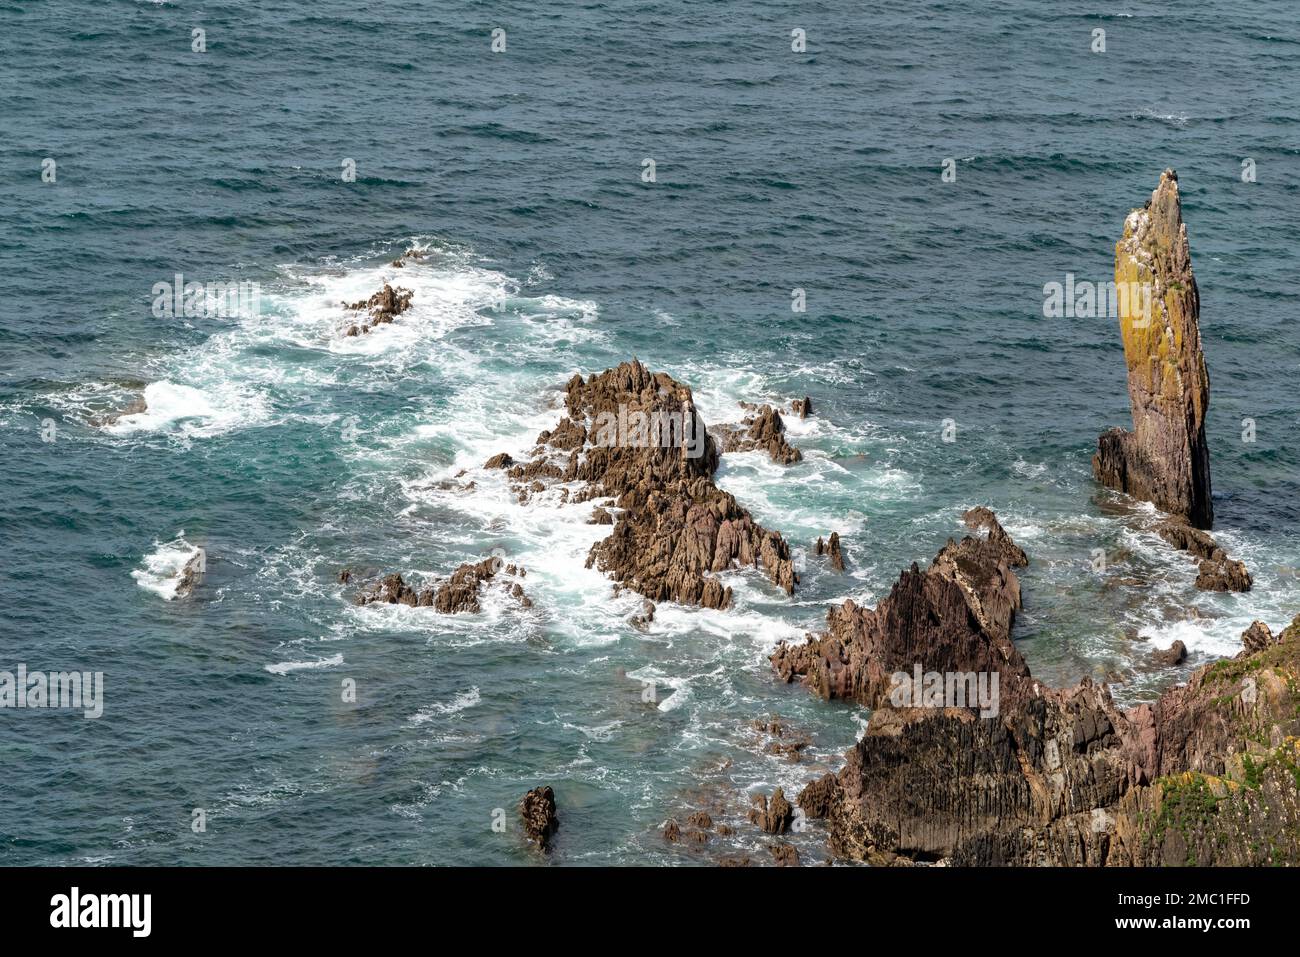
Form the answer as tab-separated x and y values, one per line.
1165	459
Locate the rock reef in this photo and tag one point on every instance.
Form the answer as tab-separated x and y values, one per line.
383	307
636	436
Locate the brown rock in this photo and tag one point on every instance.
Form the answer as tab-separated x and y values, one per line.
775	816
501	460
1257	637
460	592
1223	575
537	811
785	854
1165	458
1175	654
802	407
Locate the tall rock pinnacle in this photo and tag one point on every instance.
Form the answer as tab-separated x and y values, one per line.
1164	459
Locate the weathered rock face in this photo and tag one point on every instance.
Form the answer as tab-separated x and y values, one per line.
955	616
537	811
1164	459
633	435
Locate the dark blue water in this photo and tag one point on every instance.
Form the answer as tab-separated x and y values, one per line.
287	451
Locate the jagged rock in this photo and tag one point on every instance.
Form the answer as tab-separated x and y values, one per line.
1217	572
1223	575
675	529
955	616
460	593
700	819
384	306
832	549
817	797
501	460
764	431
1175	654
774	816
734	862
392	590
537	810
1256	638
1165	458
802	407
786	855
600	516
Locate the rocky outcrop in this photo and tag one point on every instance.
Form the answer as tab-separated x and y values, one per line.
1175	654
635	436
1216	571
393	590
1165	459
954	616
459	593
774	816
831	549
1256	638
802	407
762	430
383	307
540	820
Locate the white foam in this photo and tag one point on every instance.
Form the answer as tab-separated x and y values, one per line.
461	702
161	570
285	667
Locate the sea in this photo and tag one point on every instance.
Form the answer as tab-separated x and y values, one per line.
857	202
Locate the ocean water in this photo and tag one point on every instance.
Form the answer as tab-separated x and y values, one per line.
287	451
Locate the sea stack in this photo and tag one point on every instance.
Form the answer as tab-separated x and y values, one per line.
1164	460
